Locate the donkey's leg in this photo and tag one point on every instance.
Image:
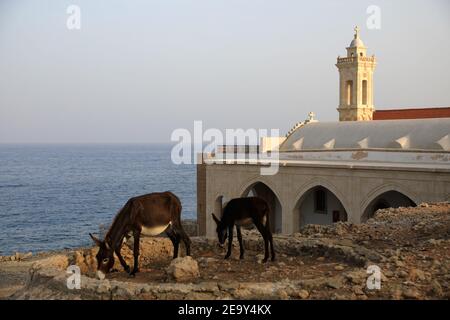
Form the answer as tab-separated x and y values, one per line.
241	245
230	241
175	241
269	233
186	240
124	264
262	229
136	236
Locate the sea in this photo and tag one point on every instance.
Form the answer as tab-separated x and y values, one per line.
53	195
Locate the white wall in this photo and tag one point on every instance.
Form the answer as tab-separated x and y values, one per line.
309	216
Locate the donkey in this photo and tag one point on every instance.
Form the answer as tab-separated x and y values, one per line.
242	212
149	214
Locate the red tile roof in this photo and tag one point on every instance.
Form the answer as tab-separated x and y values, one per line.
417	113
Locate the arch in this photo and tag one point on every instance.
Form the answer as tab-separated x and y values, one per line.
319	203
375	192
324	183
263	190
387	196
254	180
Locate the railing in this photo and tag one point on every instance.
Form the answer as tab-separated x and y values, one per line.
355	59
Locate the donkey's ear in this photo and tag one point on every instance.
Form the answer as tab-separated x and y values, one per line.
97	241
107	241
215	218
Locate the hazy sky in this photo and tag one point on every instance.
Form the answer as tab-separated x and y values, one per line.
137	70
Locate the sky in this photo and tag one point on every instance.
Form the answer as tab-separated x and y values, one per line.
137	70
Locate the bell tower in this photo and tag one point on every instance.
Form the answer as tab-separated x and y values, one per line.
356	82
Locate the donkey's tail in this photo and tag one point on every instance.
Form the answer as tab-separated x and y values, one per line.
175	208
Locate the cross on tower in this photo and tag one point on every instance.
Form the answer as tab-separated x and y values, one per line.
356	32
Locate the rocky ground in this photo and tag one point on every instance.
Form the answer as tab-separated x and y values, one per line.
410	246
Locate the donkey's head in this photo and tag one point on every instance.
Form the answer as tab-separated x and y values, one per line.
105	257
221	229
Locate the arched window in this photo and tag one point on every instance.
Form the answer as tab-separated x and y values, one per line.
349	92
364	92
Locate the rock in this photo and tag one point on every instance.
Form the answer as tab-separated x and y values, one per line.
411	294
282	294
396	294
183	269
356	277
27	255
13	258
338	296
435	242
320	259
416	274
205	261
303	294
339	267
358	291
399	263
436	288
334	283
436	263
259	258
104	287
402	274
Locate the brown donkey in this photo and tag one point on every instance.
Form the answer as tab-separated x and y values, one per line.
149	214
241	212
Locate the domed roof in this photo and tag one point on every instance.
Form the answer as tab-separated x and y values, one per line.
356	43
411	134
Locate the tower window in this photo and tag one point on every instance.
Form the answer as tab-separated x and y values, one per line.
361	54
364	92
349	91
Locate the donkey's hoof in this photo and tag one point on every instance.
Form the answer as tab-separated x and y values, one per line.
133	273
127	269
226	257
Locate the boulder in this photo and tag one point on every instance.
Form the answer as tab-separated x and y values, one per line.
303	294
183	269
416	274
